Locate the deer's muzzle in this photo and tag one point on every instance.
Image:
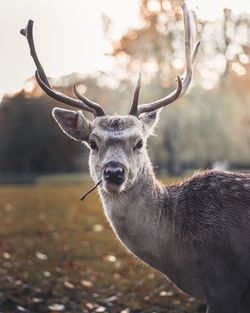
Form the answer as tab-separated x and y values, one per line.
114	173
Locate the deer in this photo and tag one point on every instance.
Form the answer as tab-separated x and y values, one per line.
196	232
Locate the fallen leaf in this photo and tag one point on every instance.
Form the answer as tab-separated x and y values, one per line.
87	283
111	299
127	310
100	309
69	285
109	258
166	293
90	306
98	228
41	256
56	307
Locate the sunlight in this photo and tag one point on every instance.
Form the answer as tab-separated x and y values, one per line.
72	39
154	6
166	5
28	86
68	40
178	63
210	10
239	69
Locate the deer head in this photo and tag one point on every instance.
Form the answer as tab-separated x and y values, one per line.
117	143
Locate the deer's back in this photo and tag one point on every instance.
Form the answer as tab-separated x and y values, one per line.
215	201
212	211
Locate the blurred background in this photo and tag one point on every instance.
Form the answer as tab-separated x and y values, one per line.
56	253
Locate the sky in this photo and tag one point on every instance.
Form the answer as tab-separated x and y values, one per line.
69	34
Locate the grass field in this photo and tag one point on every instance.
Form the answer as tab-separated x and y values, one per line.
60	255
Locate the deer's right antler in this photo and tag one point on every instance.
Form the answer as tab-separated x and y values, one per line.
182	82
83	103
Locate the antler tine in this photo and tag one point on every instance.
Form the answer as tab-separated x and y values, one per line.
182	82
43	80
174	95
188	42
95	106
28	33
134	106
196	49
61	97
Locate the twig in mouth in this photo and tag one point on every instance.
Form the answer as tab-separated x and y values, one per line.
88	192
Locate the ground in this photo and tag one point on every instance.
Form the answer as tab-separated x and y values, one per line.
60	255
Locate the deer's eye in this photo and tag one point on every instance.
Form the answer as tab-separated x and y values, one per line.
139	144
93	145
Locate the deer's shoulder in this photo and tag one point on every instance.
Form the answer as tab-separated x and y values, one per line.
215	181
212	201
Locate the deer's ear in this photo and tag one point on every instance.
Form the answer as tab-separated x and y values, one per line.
73	123
150	120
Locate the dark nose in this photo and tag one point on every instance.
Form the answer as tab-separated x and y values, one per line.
114	173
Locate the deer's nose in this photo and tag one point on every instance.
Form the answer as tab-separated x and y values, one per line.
114	173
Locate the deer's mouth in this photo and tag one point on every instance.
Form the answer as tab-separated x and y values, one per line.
112	188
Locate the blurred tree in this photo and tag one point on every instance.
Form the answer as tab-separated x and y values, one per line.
30	141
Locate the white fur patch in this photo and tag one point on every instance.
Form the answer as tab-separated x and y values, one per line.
123	135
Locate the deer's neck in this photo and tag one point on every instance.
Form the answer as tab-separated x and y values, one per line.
148	222
136	215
